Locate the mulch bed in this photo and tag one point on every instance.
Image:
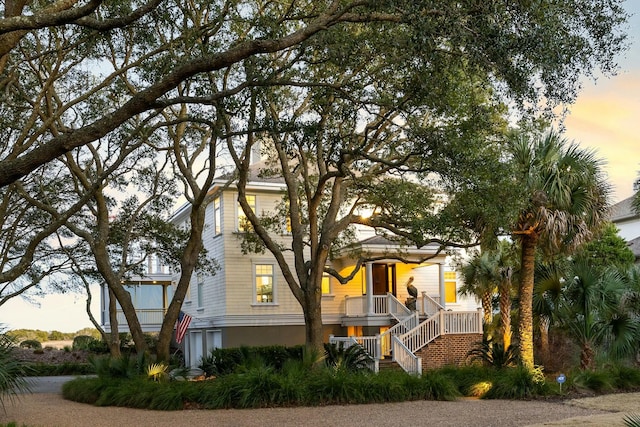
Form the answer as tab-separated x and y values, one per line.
50	356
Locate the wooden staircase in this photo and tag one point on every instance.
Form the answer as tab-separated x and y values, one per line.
408	335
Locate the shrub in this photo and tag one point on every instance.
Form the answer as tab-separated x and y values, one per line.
518	383
125	366
81	342
98	346
34	344
624	377
353	358
224	361
12	372
494	354
598	381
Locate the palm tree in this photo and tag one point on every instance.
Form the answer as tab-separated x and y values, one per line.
566	198
594	314
550	282
487	273
480	279
506	264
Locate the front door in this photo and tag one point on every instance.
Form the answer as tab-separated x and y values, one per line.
384	279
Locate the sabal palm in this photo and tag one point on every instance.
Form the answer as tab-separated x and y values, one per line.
593	312
566	198
550	282
487	273
480	279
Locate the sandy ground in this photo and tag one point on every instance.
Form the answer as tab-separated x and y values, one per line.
49	409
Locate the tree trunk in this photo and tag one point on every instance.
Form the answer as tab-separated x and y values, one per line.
188	264
505	311
525	322
114	336
545	354
487	313
313	324
586	356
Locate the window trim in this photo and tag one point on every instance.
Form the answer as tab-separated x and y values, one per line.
330	292
217	216
254	284
452	281
200	290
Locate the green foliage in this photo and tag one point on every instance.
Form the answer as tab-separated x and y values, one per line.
631	420
125	366
82	342
98	346
12	372
223	361
467	378
607	378
261	386
493	354
598	381
28	334
607	250
518	383
57	336
354	358
31	344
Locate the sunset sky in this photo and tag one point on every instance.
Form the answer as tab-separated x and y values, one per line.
605	118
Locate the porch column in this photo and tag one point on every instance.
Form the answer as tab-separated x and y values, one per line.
441	279
369	286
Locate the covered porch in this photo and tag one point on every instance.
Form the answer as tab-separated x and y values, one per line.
150	299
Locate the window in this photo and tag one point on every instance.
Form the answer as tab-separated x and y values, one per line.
242	218
450	288
200	288
326	284
217	226
264	284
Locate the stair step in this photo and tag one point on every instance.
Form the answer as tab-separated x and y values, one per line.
388	364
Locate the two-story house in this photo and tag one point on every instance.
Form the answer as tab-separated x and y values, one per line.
248	302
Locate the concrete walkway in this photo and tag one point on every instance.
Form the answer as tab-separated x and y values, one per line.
48	384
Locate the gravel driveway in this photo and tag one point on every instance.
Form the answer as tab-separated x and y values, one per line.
49	409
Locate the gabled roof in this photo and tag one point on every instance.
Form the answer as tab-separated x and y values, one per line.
623	210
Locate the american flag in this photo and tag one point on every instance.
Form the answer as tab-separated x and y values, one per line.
181	327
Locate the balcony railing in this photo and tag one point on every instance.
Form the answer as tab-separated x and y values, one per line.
146	316
390	305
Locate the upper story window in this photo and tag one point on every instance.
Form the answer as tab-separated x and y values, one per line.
243	224
326	284
264	283
200	289
217	225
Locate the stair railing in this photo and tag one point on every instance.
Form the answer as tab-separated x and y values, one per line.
405	357
423	333
429	305
396	308
369	344
399	328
